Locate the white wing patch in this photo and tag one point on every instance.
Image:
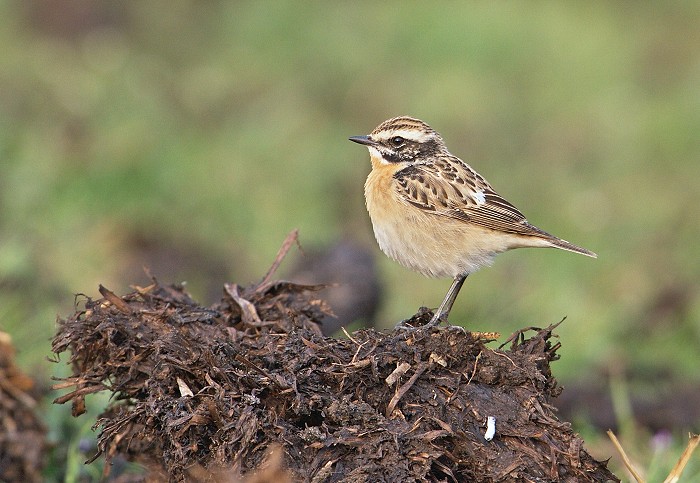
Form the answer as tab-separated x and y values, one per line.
479	197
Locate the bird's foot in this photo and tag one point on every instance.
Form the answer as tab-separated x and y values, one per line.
439	318
415	322
406	325
407	328
436	319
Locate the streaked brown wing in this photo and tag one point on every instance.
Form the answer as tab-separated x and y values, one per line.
451	188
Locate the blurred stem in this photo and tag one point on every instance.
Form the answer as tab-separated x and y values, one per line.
622	404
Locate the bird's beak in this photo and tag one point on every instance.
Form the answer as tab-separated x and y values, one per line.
366	140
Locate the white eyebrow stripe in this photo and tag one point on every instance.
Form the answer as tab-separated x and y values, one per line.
410	134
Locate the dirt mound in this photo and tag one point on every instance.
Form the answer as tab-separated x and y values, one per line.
198	389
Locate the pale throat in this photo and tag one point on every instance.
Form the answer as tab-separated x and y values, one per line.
376	157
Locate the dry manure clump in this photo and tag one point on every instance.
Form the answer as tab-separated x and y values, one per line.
200	390
23	444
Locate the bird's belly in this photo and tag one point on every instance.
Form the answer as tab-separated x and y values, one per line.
431	244
435	246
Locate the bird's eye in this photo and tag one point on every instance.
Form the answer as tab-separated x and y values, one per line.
397	141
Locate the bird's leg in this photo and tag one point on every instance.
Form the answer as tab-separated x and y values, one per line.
446	305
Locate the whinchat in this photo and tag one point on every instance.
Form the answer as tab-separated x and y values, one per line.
434	214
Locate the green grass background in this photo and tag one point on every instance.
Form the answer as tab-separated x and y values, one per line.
217	127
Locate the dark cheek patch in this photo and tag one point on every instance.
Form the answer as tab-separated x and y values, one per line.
391	156
410	152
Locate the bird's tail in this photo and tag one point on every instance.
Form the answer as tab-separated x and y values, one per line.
565	245
550	240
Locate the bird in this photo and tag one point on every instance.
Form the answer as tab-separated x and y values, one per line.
433	213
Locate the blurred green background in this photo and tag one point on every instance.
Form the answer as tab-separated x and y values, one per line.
203	132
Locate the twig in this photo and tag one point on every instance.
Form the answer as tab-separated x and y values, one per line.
115	300
350	337
476	364
397	373
675	474
503	355
248	312
292	237
518	337
81	391
404	389
625	459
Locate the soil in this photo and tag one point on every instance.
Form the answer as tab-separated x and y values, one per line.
250	385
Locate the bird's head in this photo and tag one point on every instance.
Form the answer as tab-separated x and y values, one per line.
403	140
